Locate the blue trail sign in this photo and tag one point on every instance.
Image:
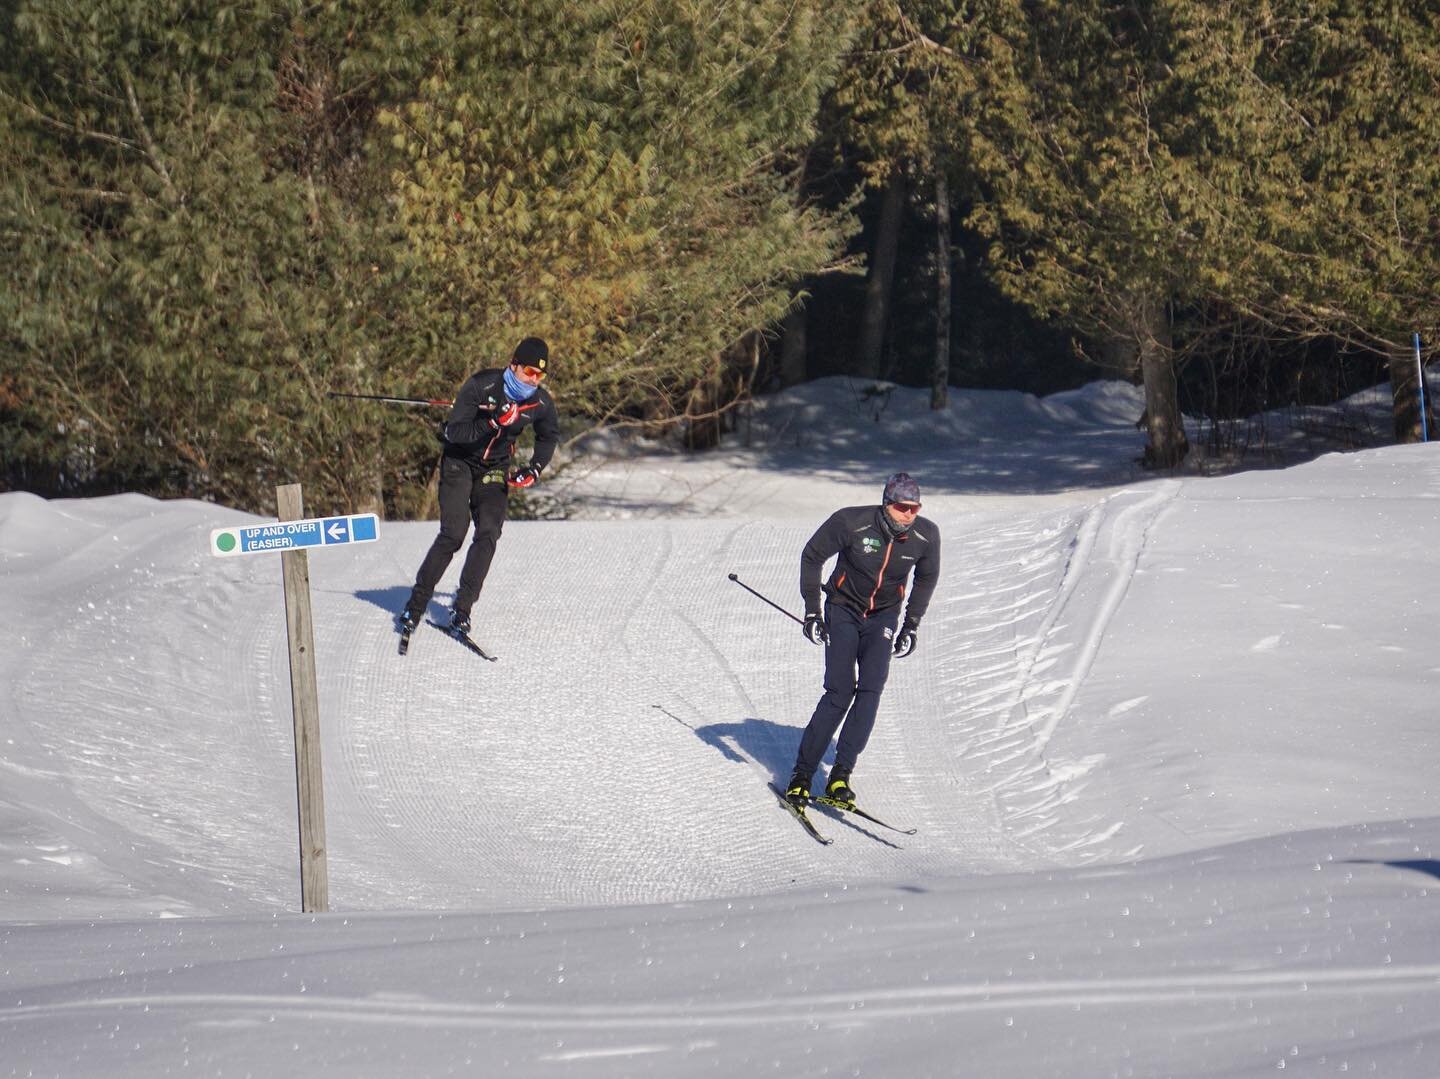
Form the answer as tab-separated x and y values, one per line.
295	535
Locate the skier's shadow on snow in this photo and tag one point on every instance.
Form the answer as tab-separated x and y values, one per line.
392	601
1420	865
768	744
772	746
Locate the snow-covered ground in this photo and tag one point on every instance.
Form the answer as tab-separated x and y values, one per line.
1168	744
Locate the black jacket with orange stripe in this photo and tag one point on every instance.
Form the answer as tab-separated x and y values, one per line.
874	563
469	436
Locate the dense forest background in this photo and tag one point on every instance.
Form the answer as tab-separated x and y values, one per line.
213	217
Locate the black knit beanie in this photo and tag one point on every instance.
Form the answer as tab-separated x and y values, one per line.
532	352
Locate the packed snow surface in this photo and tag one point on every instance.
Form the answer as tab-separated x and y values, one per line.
1168	745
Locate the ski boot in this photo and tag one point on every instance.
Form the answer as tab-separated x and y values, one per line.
838	789
460	623
798	791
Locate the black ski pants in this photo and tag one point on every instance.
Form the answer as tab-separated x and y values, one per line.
855	643
467	493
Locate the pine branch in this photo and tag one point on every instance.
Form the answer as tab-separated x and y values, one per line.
920	38
152	151
69	129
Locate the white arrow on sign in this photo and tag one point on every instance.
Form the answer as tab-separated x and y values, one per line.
336	530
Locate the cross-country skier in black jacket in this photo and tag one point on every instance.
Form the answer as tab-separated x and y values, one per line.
490	411
878	547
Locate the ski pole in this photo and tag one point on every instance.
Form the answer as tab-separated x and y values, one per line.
772	603
434	401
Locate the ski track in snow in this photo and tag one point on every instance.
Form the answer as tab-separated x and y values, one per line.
812	1007
568	859
165	694
1013	682
648	787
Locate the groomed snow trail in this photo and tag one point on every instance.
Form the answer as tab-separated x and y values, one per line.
617	753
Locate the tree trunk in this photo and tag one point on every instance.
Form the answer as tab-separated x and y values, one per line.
879	279
368	484
702	428
1167	444
940	366
729	380
1405	395
793	367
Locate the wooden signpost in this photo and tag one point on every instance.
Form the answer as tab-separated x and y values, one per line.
292	536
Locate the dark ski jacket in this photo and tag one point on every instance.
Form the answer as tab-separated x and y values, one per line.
470	437
874	563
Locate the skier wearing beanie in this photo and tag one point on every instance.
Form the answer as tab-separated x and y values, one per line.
491	410
878	547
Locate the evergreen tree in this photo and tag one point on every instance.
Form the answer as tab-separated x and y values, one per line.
1078	134
895	107
209	217
188	264
1322	184
619	177
1272	158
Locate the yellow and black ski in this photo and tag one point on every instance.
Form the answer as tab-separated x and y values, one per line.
798	812
851	807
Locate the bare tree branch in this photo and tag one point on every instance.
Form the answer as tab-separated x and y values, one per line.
152	151
69	129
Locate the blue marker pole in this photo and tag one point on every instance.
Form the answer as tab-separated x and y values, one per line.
1420	372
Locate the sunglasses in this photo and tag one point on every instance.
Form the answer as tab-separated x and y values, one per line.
534	374
907	507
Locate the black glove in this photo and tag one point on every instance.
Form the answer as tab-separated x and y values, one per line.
525	477
905	640
814	630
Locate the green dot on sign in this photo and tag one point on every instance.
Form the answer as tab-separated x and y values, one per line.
225	541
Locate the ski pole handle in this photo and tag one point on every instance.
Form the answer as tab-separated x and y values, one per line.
430	401
772	603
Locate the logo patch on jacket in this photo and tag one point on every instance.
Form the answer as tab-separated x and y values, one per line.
871	545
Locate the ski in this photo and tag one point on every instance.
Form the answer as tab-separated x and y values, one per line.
404	629
463	638
799	814
851	807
